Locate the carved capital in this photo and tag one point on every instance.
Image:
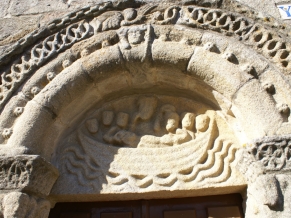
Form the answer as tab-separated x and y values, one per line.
264	182
274	153
28	173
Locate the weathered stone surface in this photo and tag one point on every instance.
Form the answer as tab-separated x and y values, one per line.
209	65
266	7
273	153
20	205
4	5
127	137
22	7
27	173
139	99
269	196
272	118
12	29
268	188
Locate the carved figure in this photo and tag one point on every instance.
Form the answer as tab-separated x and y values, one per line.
131	36
127	138
172	122
188	121
107	117
166	126
208	156
172	119
164	110
146	109
118	135
177	136
135	35
202	123
174	136
92	125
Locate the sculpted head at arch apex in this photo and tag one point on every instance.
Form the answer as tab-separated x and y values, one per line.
160	41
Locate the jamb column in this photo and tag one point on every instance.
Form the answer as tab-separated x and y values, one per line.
25	182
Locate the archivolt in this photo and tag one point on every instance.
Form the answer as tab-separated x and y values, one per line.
218	51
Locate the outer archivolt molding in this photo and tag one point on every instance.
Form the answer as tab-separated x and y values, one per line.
259	37
57	25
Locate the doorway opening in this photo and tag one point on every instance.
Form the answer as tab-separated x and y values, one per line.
218	206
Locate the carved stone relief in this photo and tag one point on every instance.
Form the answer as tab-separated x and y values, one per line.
274	153
117	27
29	173
99	19
145	143
26	180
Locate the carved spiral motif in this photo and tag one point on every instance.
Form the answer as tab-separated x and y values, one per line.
41	52
274	154
265	41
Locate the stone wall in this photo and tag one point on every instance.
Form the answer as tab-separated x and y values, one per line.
19	17
127	99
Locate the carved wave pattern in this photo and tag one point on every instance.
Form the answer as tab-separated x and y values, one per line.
216	169
84	168
222	154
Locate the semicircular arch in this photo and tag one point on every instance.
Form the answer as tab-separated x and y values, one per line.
230	68
162	56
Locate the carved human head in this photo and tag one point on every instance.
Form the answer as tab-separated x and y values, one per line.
122	119
202	122
92	125
136	35
188	121
172	122
107	117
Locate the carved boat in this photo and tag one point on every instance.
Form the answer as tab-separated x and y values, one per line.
144	161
